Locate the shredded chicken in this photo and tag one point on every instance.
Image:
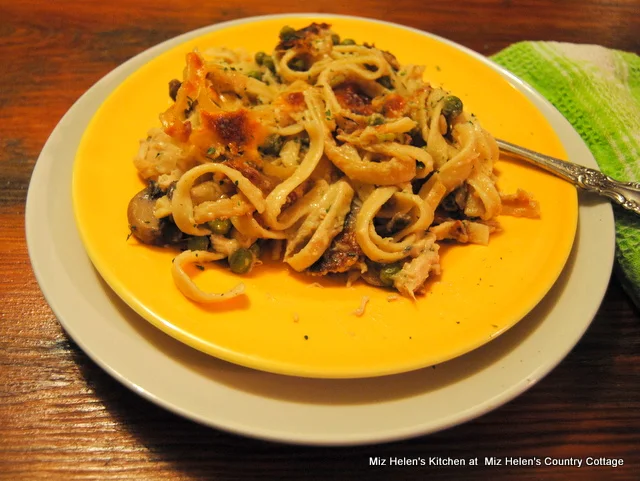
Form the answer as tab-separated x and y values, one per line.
464	231
363	304
520	204
413	274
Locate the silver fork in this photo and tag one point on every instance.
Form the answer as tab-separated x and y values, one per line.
626	194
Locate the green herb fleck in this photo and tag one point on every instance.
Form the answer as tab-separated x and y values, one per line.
255	74
376	119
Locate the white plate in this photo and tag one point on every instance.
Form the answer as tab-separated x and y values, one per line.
288	409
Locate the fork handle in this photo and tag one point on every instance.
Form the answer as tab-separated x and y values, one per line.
625	194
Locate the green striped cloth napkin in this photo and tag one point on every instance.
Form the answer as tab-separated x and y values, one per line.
598	91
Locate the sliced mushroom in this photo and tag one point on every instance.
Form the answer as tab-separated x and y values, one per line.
398	222
372	275
144	225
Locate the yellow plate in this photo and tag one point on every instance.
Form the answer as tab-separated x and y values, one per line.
286	324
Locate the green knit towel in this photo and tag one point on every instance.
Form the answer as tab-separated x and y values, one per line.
598	92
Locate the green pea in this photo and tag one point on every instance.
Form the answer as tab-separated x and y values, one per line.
241	261
298	64
287	33
255	250
272	145
260	56
255	74
452	107
348	41
267	61
335	38
220	226
200	243
388	272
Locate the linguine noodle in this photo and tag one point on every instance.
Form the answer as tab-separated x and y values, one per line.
330	153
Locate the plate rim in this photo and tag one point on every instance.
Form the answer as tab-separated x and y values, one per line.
155	310
38	256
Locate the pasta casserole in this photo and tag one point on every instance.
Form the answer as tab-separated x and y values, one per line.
326	154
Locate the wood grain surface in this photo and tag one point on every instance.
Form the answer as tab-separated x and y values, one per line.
62	417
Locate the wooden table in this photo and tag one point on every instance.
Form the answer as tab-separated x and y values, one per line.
62	417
